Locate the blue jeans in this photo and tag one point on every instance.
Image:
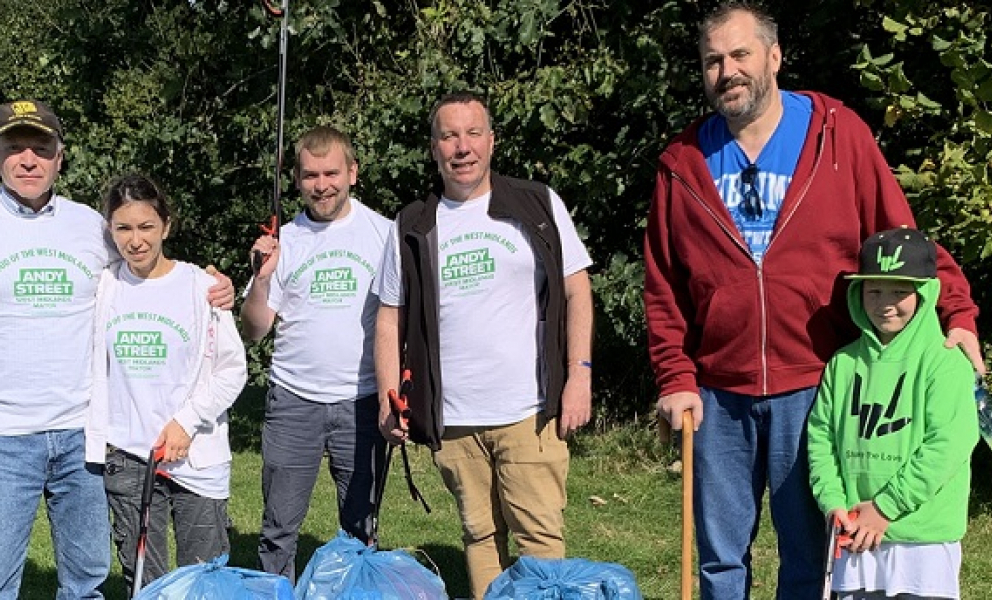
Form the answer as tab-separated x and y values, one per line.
52	464
744	445
295	436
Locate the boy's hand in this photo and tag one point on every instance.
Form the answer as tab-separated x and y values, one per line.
871	525
847	524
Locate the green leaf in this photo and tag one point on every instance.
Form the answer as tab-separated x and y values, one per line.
894	27
882	60
927	103
983	121
548	116
871	81
939	44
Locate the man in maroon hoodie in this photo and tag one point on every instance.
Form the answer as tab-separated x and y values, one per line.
759	210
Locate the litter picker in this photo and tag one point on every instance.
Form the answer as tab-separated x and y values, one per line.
836	539
401	410
145	515
275	220
687	514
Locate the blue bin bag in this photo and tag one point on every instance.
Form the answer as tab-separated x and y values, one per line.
563	579
346	569
214	581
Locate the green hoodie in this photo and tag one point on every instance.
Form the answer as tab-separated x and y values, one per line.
897	424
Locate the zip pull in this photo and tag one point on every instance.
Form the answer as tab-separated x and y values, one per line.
833	136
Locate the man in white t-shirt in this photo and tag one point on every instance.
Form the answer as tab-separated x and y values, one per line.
484	287
317	280
52	252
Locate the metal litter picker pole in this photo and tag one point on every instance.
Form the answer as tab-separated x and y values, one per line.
275	220
837	539
687	516
401	410
154	457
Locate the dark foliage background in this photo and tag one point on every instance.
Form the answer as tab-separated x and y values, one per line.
585	94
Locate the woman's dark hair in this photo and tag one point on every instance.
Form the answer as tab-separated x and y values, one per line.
135	188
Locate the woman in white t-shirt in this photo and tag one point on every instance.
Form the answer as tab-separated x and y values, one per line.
166	368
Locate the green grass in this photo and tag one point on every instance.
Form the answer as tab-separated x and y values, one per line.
637	526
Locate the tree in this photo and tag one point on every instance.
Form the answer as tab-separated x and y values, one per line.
585	94
930	76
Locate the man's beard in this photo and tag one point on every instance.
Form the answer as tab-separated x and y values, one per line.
750	102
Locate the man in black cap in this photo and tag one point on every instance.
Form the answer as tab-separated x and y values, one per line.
52	251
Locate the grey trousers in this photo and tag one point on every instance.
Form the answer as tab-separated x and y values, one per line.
295	436
200	524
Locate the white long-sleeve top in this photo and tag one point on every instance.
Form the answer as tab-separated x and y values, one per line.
214	356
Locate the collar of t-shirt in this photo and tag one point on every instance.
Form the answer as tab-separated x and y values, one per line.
471	202
19	210
775	166
307	222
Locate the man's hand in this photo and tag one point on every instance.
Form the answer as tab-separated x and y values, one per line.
871	525
671	407
389	426
221	294
268	246
174	441
968	342
576	400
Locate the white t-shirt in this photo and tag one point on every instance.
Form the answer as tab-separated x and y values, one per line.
489	281
321	292
151	345
50	266
924	570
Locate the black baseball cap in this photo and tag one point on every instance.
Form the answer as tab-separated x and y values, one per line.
29	113
898	254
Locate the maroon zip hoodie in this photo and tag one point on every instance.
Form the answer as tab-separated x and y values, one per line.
717	319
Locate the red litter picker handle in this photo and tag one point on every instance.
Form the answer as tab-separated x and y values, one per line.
398	401
400	407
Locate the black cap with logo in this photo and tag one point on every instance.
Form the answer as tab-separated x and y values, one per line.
902	254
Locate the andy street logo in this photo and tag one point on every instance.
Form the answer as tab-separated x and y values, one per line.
465	271
333	280
890	263
468	264
869	414
140	344
36	286
335	286
142	354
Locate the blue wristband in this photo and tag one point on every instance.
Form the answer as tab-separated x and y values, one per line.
582	363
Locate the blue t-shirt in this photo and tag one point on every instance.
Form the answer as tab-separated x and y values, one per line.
774	168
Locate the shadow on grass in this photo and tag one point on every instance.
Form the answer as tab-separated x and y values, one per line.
447	561
244	550
450	562
41	583
246	417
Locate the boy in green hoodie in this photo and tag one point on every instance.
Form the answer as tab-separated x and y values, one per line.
892	430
